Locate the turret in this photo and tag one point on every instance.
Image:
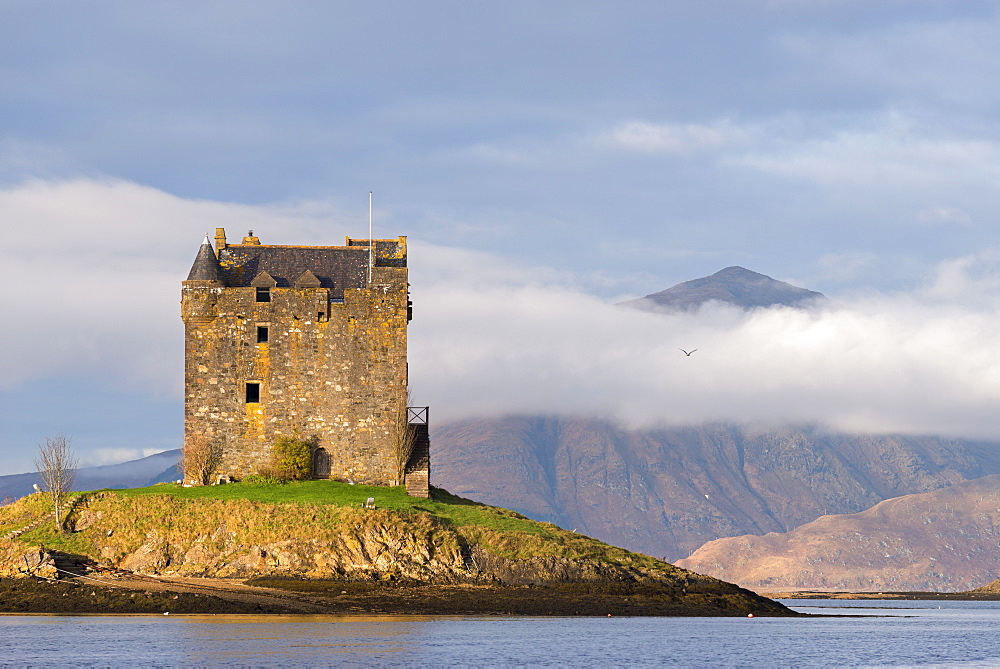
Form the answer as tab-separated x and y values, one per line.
206	265
199	292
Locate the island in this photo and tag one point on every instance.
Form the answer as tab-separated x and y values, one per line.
324	546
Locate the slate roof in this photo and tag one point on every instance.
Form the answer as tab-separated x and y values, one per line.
205	267
336	267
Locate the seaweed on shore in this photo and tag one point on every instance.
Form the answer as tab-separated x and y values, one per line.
558	599
29	595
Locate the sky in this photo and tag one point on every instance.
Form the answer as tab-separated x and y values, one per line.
546	160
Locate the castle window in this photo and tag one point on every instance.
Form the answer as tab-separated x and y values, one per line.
253	393
261	334
263	294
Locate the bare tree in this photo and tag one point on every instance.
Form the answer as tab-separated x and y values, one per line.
201	459
56	466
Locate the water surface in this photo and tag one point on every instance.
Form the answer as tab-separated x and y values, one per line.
858	633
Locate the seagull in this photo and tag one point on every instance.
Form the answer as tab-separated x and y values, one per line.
687	353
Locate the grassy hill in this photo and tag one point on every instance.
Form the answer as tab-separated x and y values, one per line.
319	531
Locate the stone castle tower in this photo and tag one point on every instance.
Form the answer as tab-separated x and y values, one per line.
306	342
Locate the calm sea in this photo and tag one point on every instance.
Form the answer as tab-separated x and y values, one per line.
868	633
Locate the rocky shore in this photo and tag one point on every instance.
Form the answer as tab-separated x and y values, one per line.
317	553
76	596
137	595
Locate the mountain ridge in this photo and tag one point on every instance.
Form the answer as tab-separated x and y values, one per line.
666	492
733	285
939	541
151	469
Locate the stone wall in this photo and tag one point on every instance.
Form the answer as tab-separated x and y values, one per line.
334	371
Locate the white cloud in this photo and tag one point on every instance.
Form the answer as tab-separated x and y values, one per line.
639	137
892	151
97	267
110	456
674	138
908	363
944	215
973	280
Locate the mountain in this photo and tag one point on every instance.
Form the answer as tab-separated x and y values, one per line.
942	541
733	285
133	474
666	492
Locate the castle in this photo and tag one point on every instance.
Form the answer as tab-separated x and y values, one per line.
306	342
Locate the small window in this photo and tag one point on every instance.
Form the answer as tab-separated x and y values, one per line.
261	334
253	393
263	294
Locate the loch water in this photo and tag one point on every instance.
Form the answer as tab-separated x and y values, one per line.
848	633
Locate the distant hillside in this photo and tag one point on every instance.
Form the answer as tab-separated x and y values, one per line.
990	588
943	541
733	285
132	474
666	492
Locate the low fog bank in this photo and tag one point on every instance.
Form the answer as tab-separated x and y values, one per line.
490	336
927	362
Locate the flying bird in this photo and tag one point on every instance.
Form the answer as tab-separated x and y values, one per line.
687	353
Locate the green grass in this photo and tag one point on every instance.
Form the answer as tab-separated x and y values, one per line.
267	513
303	492
443	505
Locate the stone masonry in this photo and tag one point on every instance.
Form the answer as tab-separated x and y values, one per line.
301	341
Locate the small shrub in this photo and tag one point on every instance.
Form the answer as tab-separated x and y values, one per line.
292	458
261	479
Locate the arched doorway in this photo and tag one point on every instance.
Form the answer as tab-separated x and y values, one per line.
321	464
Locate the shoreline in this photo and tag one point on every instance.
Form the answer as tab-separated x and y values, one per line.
144	595
969	596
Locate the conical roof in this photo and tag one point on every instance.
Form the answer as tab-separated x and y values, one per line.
206	265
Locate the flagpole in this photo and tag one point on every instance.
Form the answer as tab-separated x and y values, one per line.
371	240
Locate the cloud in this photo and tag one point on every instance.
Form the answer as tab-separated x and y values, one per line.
891	150
917	363
944	215
97	266
111	456
973	280
674	138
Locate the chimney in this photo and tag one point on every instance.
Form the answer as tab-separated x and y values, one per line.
250	239
220	240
